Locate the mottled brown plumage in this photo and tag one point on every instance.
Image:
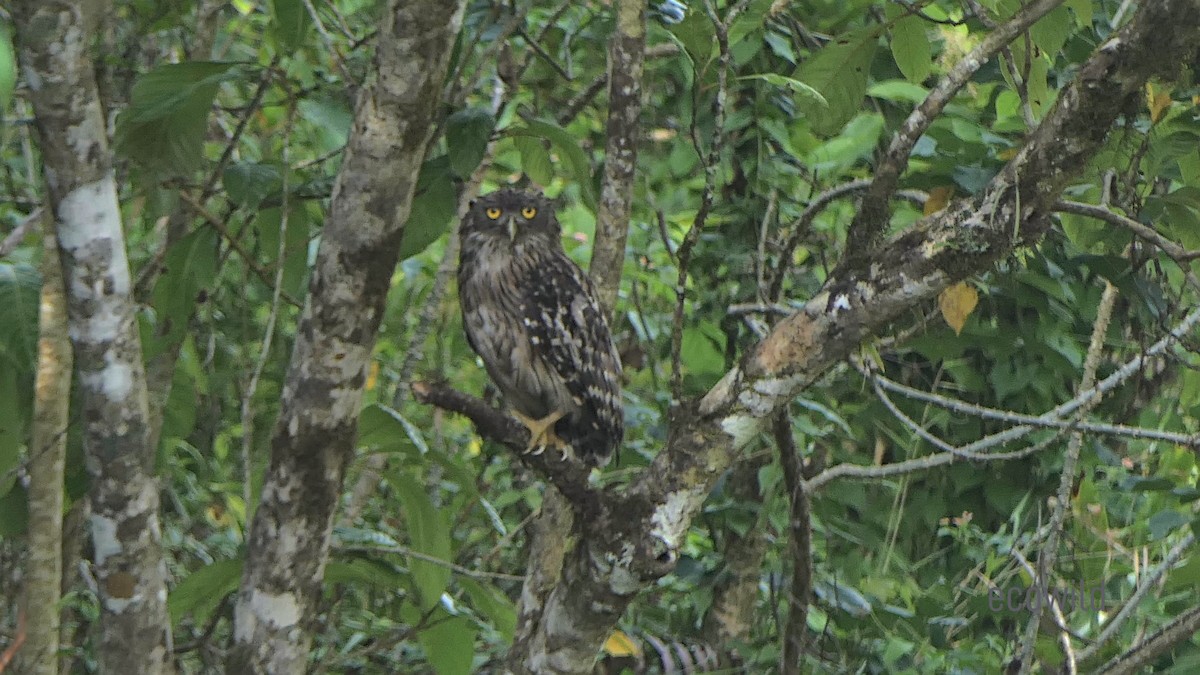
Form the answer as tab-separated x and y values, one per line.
532	316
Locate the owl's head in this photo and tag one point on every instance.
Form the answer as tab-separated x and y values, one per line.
515	215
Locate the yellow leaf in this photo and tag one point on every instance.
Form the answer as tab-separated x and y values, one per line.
620	644
939	197
1158	101
1007	154
957	303
372	376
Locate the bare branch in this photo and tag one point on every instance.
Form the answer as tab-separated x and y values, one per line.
1181	628
1049	552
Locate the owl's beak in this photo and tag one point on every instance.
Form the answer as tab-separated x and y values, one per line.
511	225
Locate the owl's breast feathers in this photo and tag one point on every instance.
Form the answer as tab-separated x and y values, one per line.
532	316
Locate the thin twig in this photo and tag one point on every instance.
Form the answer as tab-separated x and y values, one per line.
23	228
425	557
1049	552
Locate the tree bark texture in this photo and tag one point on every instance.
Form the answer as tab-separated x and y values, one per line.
48	447
626	55
128	565
634	537
314	436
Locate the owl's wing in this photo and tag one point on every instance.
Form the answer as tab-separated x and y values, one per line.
569	331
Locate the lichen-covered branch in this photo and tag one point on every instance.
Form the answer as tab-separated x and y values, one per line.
313	438
55	43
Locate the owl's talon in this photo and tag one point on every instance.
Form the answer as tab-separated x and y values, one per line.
541	433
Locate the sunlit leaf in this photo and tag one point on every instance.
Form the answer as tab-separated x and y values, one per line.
956	304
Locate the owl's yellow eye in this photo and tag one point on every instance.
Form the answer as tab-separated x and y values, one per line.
492	212
529	212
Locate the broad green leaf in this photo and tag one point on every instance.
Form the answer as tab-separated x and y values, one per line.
433	208
492	604
750	20
1165	522
295	251
164	126
331	118
20	290
248	183
839	72
14	512
289	23
1050	32
191	265
1145	484
201	591
385	428
911	48
8	67
1083	11
12	429
696	36
364	571
429	533
449	644
794	86
467	134
898	90
535	159
568	148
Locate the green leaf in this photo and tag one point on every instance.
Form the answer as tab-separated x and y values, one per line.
248	183
191	264
535	159
383	427
289	23
8	67
331	118
295	250
1083	11
839	72
14	512
898	90
164	126
12	429
1145	484
1050	32
1165	522
568	148
429	533
911	48
20	291
364	571
201	591
696	36
467	134
433	207
491	603
796	87
449	644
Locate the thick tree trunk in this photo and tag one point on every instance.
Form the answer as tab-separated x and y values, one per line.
314	436
52	393
134	626
626	54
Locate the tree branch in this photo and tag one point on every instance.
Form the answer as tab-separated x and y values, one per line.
872	216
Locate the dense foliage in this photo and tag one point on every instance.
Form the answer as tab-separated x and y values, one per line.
229	125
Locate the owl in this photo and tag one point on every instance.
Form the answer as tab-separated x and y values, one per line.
532	316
